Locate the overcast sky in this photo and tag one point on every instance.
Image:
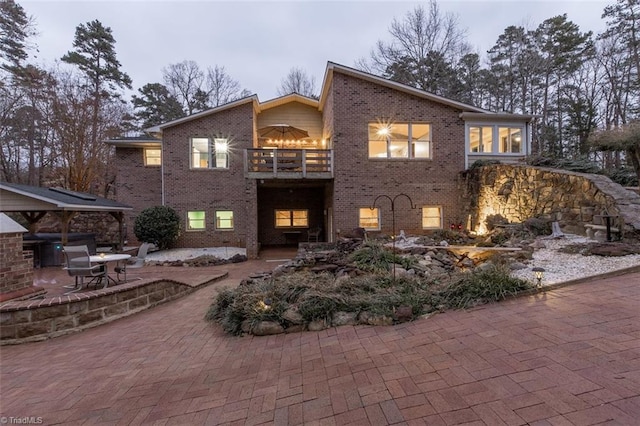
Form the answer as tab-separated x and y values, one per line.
259	42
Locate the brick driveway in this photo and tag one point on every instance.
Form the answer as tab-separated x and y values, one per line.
570	356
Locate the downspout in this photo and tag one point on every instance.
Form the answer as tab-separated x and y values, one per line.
162	172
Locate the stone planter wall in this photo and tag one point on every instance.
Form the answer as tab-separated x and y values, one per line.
16	266
32	320
521	192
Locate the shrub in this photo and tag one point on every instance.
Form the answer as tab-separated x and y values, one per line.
159	225
538	226
488	285
375	257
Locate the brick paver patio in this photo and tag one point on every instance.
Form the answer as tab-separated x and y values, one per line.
570	356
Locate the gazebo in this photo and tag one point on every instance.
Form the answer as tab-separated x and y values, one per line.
34	202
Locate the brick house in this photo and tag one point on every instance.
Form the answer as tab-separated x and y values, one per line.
235	182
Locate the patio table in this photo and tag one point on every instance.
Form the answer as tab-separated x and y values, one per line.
105	258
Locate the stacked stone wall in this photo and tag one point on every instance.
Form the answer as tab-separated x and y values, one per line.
519	192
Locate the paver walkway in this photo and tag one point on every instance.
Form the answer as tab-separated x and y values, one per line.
569	356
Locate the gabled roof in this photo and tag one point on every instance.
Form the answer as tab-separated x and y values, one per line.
49	199
292	97
232	104
333	67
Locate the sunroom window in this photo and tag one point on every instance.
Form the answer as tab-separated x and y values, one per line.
369	219
399	140
481	139
496	139
510	139
207	153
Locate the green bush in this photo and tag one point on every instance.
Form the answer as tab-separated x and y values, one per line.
375	257
488	285
159	225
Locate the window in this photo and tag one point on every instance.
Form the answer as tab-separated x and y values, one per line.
496	139
431	217
195	221
292	218
481	139
369	219
152	156
398	140
208	154
510	139
224	219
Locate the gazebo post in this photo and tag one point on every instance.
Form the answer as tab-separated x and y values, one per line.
119	216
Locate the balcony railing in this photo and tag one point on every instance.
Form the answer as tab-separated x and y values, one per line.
289	163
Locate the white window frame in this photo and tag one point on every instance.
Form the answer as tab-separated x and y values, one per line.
423	217
189	227
375	212
147	157
496	143
217	156
217	219
410	142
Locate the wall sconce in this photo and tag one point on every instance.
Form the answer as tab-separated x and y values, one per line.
539	274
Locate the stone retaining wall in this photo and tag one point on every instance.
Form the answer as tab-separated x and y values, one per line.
520	192
32	320
16	266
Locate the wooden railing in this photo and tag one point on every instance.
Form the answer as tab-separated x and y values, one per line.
289	163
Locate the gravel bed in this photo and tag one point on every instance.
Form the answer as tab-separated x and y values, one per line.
561	267
191	253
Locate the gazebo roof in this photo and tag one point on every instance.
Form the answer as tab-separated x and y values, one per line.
16	197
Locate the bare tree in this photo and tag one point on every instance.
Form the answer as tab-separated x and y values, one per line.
425	42
198	89
298	81
221	88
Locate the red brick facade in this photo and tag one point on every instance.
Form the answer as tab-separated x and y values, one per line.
359	180
349	102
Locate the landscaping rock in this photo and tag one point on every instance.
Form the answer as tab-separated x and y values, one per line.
317	325
344	318
295	329
515	266
293	316
613	249
366	317
267	328
324	268
404	313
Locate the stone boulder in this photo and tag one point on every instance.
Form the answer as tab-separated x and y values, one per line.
266	328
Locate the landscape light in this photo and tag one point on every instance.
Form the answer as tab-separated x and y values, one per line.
539	274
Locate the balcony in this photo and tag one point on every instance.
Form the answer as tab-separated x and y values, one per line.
289	163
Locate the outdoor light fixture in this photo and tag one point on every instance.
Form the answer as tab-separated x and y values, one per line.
102	254
539	273
264	305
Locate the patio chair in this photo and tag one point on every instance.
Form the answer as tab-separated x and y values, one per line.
135	262
314	234
78	265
